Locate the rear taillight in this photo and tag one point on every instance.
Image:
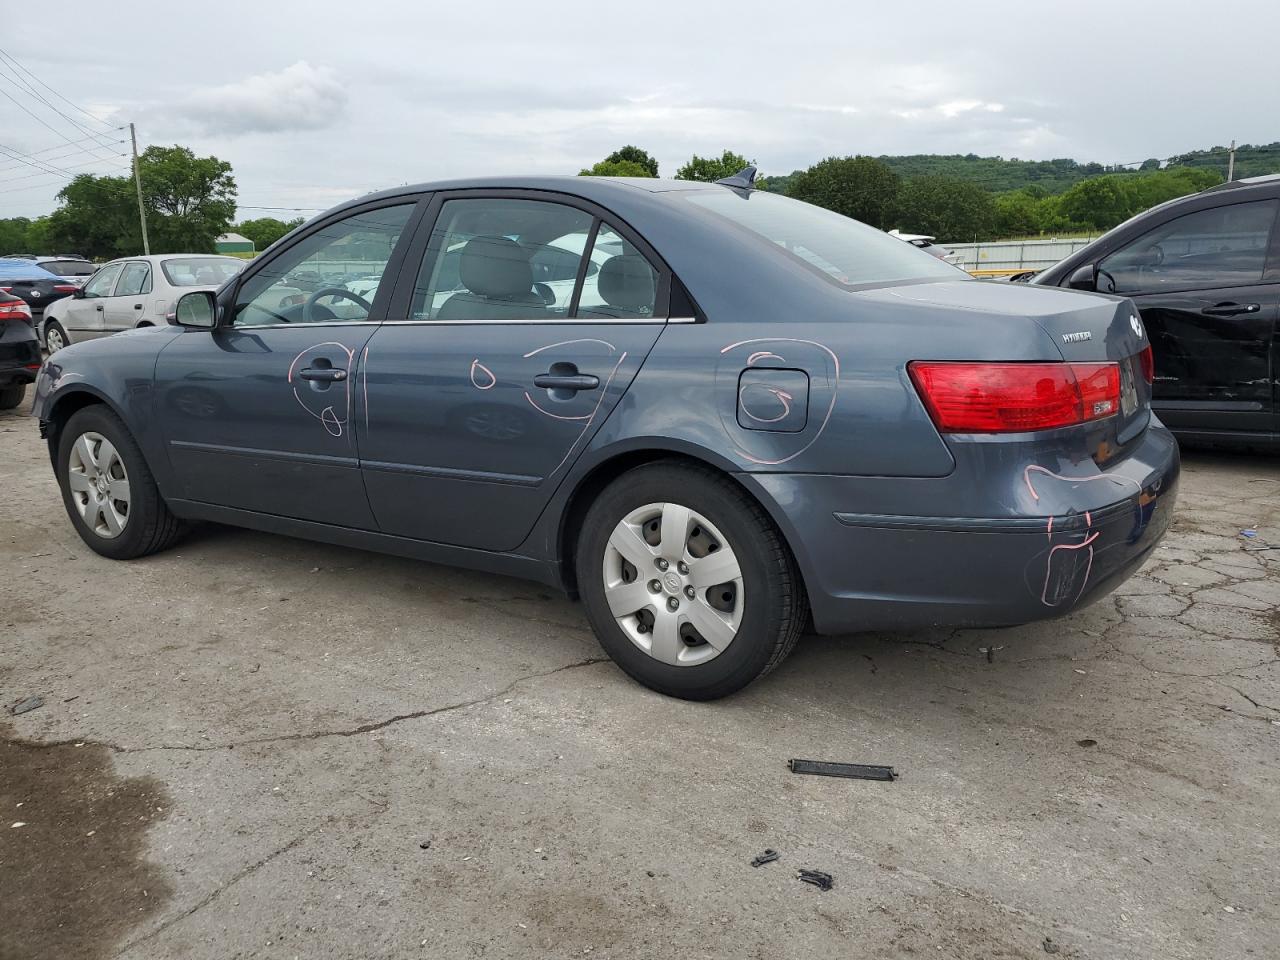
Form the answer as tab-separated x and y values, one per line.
1147	361
65	287
14	310
1015	397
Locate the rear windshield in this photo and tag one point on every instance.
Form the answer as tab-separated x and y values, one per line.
23	270
69	268
836	247
200	271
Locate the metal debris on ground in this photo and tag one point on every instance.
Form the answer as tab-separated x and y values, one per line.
27	705
823	881
854	771
767	857
1250	533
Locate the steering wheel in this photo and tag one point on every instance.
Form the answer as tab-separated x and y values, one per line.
332	292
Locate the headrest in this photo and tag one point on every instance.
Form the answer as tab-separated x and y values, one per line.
495	267
626	281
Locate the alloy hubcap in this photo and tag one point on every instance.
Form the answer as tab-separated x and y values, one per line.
99	485
53	340
673	584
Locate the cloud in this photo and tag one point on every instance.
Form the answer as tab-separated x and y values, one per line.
299	97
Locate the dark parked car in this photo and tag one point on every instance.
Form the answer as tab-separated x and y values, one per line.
1204	271
753	411
19	350
33	284
74	270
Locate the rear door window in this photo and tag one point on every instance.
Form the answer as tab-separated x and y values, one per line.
1220	247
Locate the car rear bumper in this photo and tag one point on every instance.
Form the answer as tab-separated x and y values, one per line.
1061	539
19	354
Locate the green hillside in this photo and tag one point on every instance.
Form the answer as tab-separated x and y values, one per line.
999	175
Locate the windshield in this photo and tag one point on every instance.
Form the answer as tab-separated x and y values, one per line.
200	271
841	249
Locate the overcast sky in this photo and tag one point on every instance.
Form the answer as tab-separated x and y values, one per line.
316	102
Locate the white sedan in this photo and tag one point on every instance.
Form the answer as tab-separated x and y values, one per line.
131	292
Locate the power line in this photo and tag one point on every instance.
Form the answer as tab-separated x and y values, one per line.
57	156
246	206
25	76
49	173
11	154
20	66
31	91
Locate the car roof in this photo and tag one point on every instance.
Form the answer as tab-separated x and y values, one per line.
1266	178
156	258
12	268
599	189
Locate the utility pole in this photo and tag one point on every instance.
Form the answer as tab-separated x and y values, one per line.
137	182
1231	163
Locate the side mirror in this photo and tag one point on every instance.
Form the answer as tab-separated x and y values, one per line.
1083	278
78	293
197	309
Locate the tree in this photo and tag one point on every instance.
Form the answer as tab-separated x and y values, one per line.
858	187
945	207
632	154
616	168
264	231
194	198
1016	214
1100	203
189	201
97	217
710	169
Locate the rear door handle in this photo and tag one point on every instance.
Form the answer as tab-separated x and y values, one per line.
577	381
1230	309
137	306
98	307
326	374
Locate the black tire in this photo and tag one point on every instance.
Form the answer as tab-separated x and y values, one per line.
150	526
776	607
11	396
55	325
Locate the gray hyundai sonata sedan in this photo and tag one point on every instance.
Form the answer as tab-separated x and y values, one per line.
715	414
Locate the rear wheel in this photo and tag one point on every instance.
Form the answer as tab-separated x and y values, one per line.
108	490
11	396
55	338
687	583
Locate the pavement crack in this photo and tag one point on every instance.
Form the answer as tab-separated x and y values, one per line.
366	727
218	891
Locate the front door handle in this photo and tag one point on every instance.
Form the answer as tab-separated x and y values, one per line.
575	382
137	306
98	307
1230	309
325	374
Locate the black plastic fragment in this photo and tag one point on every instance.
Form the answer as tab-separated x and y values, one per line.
854	771
823	881
767	857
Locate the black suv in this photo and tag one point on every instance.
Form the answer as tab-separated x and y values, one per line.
19	350
1204	271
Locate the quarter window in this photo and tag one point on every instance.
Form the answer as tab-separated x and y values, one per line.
1221	247
620	283
103	281
332	274
135	280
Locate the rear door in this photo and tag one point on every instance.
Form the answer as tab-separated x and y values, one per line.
506	347
85	316
1209	294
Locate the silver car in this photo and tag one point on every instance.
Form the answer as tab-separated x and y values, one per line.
131	292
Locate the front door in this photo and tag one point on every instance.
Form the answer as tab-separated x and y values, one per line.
85	316
510	340
258	413
1210	308
124	308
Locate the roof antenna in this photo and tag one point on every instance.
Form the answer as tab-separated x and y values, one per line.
743	179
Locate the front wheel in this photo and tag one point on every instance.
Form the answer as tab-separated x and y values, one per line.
687	583
108	490
55	338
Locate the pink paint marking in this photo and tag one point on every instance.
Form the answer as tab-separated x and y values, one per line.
328	417
782	396
761	355
565	343
1048	567
476	365
1036	468
604	392
830	407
